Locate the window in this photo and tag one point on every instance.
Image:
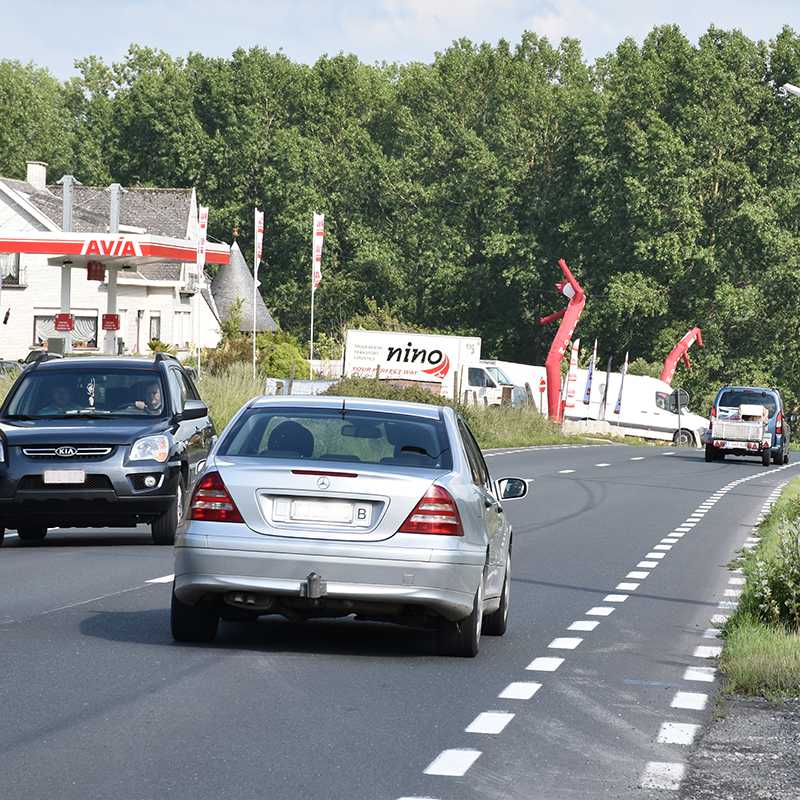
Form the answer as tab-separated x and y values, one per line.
155	325
662	401
106	392
9	268
84	335
185	390
480	472
733	398
477	377
325	434
183	332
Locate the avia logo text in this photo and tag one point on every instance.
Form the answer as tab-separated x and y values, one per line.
109	247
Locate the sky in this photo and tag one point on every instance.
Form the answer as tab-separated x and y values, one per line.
54	34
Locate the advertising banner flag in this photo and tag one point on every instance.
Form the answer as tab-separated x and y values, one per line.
259	228
618	406
587	392
572	375
316	253
202	219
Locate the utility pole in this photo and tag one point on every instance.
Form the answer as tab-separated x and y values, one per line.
110	344
68	184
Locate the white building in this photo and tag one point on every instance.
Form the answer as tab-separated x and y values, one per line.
154	300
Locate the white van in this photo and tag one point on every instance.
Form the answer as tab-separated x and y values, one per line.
647	409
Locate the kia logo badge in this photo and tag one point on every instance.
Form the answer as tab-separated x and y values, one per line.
323	482
66	452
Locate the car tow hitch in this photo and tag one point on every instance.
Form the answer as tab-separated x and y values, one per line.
313	587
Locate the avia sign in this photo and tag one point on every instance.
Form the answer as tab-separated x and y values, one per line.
112	247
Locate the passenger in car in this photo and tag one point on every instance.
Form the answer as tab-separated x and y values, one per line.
60	401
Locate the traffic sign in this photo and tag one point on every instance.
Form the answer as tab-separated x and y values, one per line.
542	385
64	322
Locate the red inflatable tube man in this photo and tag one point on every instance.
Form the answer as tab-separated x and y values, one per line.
681	351
569	317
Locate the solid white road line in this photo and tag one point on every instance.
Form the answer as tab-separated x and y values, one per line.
694	701
520	690
627	587
565	643
583	625
489	722
677	733
700	674
662	775
706	651
544	664
615	598
600	611
162	579
453	763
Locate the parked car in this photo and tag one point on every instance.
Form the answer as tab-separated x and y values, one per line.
326	507
100	442
748	421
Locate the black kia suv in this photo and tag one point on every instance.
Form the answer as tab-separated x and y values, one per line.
100	442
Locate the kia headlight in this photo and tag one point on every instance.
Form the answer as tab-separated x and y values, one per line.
151	448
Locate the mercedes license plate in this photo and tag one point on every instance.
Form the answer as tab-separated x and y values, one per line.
64	476
332	512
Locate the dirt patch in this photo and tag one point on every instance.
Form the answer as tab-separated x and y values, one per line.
751	750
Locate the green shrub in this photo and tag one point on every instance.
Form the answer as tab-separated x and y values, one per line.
277	355
493	426
157	346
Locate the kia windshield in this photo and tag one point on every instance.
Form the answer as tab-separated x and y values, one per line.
65	394
329	435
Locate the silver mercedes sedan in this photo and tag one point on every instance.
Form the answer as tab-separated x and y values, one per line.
328	506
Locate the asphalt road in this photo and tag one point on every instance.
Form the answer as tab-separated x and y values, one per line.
96	701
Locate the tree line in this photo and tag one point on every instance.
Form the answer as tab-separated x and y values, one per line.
666	173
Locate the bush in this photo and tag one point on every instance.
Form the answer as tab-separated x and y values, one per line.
277	355
492	426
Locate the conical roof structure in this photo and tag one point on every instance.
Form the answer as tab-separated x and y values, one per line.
234	281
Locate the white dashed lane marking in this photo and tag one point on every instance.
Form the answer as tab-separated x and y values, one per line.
637	575
566	471
615	598
638	458
489	722
654	555
520	690
627	587
706	651
693	701
600	611
583	625
545	664
603	465
454	763
565	643
677	733
662	775
162	579
647	564
700	674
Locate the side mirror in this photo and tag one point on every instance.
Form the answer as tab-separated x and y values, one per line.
193	409
792	418
512	488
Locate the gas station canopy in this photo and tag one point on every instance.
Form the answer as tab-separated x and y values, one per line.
111	249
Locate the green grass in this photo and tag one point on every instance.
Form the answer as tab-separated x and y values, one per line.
761	659
226	392
762	638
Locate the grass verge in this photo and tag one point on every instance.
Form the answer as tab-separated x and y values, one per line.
226	392
762	638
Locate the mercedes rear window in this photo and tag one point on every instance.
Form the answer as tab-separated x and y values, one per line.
733	398
329	434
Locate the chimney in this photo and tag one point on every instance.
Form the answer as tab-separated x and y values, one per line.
37	174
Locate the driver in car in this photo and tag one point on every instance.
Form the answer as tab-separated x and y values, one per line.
152	402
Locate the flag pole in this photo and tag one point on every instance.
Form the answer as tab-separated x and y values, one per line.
311	343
